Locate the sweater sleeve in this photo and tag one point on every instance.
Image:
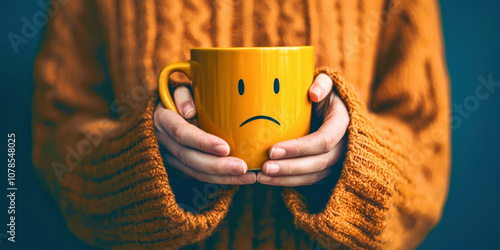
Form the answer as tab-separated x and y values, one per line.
394	179
105	172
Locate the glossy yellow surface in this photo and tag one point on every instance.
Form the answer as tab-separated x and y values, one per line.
262	114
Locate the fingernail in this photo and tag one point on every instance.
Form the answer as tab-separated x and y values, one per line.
222	150
277	153
248	178
315	92
263	178
272	168
237	168
186	115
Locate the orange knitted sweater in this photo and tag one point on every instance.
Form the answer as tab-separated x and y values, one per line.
96	152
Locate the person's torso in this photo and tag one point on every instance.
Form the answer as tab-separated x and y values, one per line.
141	37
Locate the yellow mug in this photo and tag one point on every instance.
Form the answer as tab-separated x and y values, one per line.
252	97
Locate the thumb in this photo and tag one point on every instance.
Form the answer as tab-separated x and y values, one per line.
321	86
184	102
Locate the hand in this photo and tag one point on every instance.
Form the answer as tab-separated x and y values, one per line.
194	152
307	160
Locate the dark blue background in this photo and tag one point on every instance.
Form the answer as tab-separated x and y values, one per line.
470	218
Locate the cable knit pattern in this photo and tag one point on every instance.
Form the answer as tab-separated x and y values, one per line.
95	148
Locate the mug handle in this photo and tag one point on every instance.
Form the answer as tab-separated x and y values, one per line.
165	96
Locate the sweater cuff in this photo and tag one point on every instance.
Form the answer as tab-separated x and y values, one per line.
121	194
358	206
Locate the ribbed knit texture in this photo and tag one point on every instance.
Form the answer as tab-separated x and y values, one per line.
96	91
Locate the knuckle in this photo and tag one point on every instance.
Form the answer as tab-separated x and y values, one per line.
228	181
179	132
282	182
290	169
201	140
216	166
218	179
328	143
182	155
299	148
313	179
323	162
200	177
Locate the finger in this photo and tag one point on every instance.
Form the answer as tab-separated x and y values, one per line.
171	123
184	102
172	170
293	181
248	178
304	165
319	142
321	86
203	162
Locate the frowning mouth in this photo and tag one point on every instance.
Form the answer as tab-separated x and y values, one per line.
257	117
